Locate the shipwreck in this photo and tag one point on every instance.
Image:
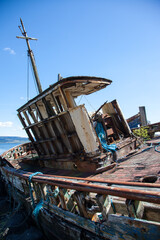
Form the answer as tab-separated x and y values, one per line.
83	177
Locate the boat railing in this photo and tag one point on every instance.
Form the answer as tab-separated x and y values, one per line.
94	199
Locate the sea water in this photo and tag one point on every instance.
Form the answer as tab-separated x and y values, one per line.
5	145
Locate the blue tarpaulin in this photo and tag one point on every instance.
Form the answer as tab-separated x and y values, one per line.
102	137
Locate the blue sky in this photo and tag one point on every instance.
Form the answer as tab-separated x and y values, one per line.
118	40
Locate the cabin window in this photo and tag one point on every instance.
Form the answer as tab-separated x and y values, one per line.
31	134
33	113
59	103
29	118
26	118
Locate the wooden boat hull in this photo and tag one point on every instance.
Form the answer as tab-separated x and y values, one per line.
85	207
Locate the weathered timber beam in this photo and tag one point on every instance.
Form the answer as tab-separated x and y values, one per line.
117	227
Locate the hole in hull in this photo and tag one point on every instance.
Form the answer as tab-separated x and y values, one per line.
149	179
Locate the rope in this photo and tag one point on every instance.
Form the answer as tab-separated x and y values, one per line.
157	147
40	204
146	149
36	211
30	187
114	209
37	207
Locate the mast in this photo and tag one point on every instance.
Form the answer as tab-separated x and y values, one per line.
24	33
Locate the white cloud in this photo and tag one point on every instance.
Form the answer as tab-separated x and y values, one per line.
23	98
6	124
11	51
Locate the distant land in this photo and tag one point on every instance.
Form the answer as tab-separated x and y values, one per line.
7	139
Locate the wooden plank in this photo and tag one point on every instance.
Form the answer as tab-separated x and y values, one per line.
60	128
116	227
32	115
130	228
24	125
65	102
38	111
49	139
71	133
109	109
62	198
151	212
57	143
113	108
55	102
63	134
70	99
27	118
42	110
79	198
50	108
104	204
45	134
123	120
84	129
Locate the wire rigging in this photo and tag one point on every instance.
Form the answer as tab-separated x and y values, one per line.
89	103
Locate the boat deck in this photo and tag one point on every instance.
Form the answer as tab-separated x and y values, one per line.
145	162
142	163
